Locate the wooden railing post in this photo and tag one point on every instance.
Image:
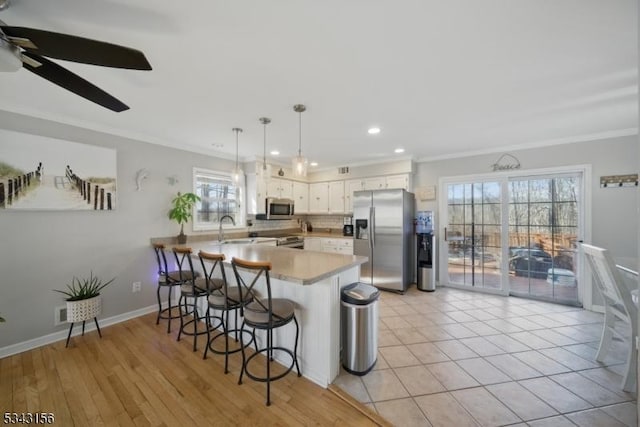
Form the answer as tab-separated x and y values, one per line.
102	199
10	191
2	196
95	199
88	192
109	201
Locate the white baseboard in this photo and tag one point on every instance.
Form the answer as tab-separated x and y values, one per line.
62	335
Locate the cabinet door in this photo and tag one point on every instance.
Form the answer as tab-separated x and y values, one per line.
374	183
286	189
273	187
301	197
280	188
313	244
398	181
319	197
349	187
336	197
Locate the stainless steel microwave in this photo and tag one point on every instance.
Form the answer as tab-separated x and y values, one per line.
277	209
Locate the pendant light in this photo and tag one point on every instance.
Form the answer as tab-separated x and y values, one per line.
237	172
264	170
299	164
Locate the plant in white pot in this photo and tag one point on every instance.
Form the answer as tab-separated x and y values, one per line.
84	301
182	210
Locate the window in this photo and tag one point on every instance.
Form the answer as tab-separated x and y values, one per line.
219	196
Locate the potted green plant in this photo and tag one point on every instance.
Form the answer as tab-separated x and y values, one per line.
83	300
83	297
182	210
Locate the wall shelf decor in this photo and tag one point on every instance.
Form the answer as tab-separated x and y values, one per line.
617	181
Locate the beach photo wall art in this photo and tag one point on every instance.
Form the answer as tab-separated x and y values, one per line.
41	173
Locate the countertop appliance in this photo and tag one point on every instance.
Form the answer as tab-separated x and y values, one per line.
384	233
347	230
277	209
296	242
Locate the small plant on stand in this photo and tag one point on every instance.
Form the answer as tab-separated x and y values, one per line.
84	301
181	211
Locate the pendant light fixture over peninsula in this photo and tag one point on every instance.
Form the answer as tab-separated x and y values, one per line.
299	163
264	170
237	172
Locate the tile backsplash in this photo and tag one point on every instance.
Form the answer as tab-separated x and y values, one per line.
318	222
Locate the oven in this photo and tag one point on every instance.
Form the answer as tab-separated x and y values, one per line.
296	242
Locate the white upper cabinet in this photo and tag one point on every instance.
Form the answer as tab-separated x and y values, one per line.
319	197
301	197
350	186
280	188
336	197
374	183
397	181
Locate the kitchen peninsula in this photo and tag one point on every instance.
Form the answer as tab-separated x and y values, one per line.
313	281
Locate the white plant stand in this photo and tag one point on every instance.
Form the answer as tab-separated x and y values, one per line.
81	311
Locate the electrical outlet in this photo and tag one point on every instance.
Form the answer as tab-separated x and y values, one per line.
136	287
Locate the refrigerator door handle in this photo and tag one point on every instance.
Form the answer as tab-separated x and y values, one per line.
372	227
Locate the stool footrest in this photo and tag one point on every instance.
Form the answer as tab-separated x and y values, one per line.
277	377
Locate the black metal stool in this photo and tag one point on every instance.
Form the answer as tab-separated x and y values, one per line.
265	314
166	280
192	288
223	298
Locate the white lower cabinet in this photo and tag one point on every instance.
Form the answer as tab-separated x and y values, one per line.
313	244
333	245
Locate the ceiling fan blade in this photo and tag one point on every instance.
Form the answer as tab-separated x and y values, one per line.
70	81
76	49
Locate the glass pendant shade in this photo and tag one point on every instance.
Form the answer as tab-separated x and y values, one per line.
237	172
299	163
299	166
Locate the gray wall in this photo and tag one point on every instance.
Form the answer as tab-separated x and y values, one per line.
42	251
614	210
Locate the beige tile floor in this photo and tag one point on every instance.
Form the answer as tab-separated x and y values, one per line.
459	358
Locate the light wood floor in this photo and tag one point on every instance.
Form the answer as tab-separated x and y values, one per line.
138	375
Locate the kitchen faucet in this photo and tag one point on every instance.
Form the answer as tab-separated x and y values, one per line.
220	232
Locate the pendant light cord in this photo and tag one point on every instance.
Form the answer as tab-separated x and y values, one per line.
300	135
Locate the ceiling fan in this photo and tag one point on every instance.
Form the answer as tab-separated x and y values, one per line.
27	48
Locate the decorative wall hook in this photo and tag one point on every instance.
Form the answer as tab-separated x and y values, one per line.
506	162
141	175
613	181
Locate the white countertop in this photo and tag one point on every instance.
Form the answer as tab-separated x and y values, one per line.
292	265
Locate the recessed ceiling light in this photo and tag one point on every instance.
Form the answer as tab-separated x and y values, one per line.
275	153
374	131
398	150
314	163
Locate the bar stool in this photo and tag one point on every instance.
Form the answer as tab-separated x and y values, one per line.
223	298
265	314
166	280
192	288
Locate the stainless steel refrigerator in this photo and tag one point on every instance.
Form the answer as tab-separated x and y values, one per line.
384	233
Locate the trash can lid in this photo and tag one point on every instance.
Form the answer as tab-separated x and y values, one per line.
359	293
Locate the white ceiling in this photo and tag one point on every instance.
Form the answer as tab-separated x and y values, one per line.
440	78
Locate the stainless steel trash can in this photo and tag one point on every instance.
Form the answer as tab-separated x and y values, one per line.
359	320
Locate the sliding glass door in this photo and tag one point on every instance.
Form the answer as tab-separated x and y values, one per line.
544	223
473	234
515	235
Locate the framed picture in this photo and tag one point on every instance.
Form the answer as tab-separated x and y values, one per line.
51	174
